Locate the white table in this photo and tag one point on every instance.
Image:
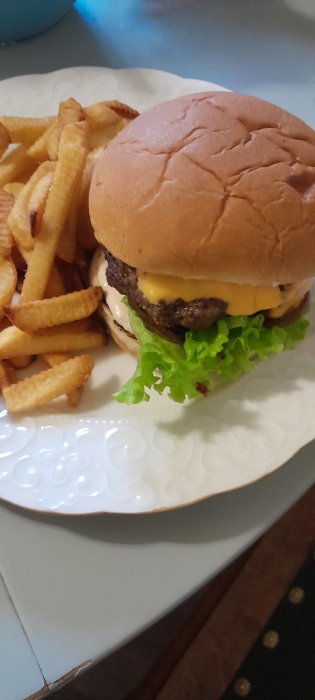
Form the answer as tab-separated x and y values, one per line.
73	589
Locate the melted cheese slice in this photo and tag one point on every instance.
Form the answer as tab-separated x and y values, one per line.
241	299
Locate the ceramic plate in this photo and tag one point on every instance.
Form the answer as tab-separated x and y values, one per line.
160	455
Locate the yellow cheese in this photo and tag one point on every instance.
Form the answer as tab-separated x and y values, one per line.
241	299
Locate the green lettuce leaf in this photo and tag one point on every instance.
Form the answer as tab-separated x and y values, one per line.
226	349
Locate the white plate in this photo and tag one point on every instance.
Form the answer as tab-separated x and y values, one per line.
108	457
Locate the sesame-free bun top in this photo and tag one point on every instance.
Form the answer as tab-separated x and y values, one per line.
212	185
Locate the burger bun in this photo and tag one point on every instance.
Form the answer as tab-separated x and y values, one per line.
212	185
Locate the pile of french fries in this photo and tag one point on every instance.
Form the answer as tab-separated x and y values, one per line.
46	242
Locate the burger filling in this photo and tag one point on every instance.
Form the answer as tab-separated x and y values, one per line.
215	329
169	306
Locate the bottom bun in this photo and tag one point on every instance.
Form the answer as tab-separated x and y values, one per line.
124	341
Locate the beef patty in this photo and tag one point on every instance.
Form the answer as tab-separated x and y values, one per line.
172	320
168	320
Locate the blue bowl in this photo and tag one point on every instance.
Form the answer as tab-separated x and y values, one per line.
23	18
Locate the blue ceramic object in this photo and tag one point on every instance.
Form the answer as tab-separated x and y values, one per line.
23	18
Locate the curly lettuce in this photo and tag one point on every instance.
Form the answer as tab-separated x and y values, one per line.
228	348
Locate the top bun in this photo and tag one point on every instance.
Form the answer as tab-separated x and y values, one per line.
211	185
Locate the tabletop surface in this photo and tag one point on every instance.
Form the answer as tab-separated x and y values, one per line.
72	589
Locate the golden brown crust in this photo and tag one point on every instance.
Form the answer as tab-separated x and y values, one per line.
122	109
214	185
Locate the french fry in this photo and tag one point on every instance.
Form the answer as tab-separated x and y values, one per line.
67	242
85	232
84	325
101	137
100	113
106	119
6	238
21	362
14	342
4	140
70	111
53	359
25	129
13	188
74	396
24	177
46	231
7	375
37	201
48	385
14	164
19	219
8	277
92	157
72	154
122	109
34	315
39	149
55	286
53	142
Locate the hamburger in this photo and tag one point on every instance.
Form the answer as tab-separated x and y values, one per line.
204	211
